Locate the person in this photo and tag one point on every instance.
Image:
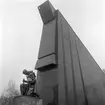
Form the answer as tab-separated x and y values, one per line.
28	86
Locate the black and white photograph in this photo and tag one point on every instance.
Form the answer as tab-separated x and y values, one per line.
52	52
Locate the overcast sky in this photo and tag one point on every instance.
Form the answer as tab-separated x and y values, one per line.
21	28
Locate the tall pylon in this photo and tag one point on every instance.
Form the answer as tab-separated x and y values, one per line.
67	73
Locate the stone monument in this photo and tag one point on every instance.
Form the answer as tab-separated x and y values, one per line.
27	88
67	72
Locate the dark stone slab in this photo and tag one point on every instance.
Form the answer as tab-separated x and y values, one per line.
26	100
46	11
46	63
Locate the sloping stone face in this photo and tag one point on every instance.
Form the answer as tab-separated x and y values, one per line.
76	79
26	100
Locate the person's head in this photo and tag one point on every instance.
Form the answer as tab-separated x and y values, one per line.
25	72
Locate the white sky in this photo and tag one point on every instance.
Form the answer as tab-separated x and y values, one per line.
21	28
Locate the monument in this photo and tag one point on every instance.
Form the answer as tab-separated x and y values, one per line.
67	73
27	88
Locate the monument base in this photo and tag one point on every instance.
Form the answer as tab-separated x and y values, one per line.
26	100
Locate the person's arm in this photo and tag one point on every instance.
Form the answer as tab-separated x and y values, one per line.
33	81
25	81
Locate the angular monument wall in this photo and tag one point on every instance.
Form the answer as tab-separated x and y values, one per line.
71	76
